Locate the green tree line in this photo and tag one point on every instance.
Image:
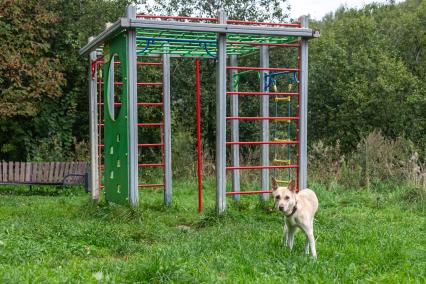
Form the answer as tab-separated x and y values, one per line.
367	72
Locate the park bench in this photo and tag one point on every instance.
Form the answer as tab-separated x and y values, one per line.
45	173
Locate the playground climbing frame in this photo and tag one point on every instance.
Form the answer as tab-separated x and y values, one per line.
115	161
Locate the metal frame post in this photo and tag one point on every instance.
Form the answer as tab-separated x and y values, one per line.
221	117
133	110
303	154
235	131
167	132
93	99
264	63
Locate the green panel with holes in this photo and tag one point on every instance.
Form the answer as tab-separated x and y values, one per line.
116	131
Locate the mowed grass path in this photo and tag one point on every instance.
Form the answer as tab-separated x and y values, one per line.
362	236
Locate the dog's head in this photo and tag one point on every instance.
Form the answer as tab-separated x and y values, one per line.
285	197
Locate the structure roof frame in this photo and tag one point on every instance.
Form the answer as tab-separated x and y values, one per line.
127	23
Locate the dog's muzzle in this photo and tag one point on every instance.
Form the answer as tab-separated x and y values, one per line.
281	208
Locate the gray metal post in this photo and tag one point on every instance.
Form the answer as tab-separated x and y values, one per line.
167	132
93	99
221	118
132	109
303	155
235	130
264	63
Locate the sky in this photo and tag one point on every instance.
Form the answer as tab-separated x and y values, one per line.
319	8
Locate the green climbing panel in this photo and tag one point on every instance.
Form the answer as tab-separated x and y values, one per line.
116	133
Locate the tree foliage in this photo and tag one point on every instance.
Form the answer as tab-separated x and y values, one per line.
367	72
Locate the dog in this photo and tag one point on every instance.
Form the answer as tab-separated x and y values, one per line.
299	209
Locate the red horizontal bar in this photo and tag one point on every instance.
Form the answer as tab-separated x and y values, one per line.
150	84
248	192
151	185
262	23
263	94
150	104
151	145
150	63
263	44
150	165
260	142
263	68
138	63
262	167
176	18
151	124
139	84
261	118
139	104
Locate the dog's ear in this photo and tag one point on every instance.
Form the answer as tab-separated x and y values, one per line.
274	184
292	186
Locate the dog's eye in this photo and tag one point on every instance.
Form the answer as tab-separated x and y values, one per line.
287	197
277	197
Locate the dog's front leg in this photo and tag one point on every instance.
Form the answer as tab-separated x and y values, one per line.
285	234
308	229
307	246
312	243
291	232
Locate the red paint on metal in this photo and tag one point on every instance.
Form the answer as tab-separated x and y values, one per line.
263	94
262	68
262	167
151	124
139	104
151	145
151	185
150	165
248	192
238	22
261	142
283	118
176	18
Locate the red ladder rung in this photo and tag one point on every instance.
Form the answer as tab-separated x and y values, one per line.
261	142
138	84
151	145
151	124
262	167
151	185
139	104
263	68
150	165
283	118
264	94
248	192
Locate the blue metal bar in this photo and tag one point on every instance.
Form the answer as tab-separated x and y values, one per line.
153	39
204	45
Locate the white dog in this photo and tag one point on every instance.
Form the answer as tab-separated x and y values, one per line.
299	210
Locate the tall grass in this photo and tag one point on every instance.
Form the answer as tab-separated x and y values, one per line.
375	161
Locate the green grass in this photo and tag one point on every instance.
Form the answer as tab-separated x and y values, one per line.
362	236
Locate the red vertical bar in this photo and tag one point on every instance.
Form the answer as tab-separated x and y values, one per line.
199	166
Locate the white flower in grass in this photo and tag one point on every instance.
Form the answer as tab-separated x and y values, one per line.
98	275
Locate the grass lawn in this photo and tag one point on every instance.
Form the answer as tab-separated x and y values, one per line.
362	236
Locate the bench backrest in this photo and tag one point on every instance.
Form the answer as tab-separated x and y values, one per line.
42	172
